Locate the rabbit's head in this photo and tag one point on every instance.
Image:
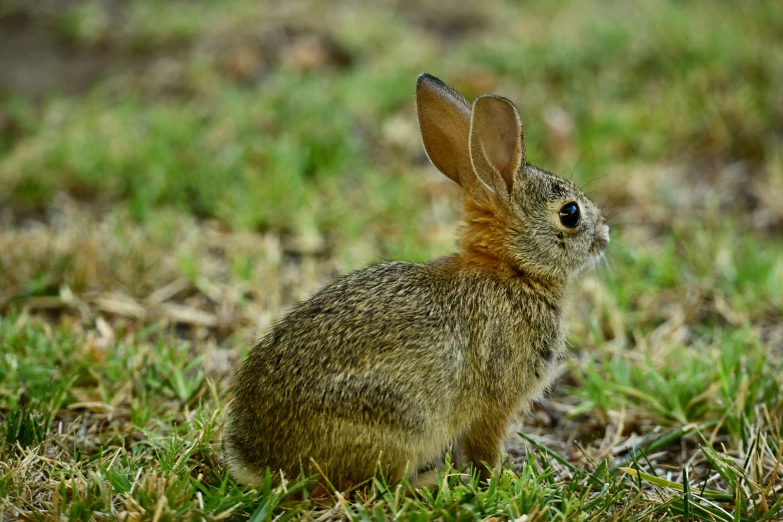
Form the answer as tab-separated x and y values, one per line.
526	218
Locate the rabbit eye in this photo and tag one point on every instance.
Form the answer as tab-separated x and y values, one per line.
569	215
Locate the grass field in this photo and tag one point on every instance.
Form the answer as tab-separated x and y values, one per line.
174	175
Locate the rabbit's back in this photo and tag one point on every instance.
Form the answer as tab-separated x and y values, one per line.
389	316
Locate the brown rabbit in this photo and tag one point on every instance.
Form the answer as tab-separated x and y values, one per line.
395	362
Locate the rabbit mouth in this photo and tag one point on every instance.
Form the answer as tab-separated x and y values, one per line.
597	248
600	242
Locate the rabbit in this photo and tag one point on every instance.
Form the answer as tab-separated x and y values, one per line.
387	367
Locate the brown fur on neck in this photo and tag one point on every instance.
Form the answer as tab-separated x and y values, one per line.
482	245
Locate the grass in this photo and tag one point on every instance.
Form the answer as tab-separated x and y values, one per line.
153	225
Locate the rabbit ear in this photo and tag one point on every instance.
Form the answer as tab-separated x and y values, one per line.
444	120
497	141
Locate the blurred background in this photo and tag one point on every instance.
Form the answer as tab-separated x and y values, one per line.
173	175
215	145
